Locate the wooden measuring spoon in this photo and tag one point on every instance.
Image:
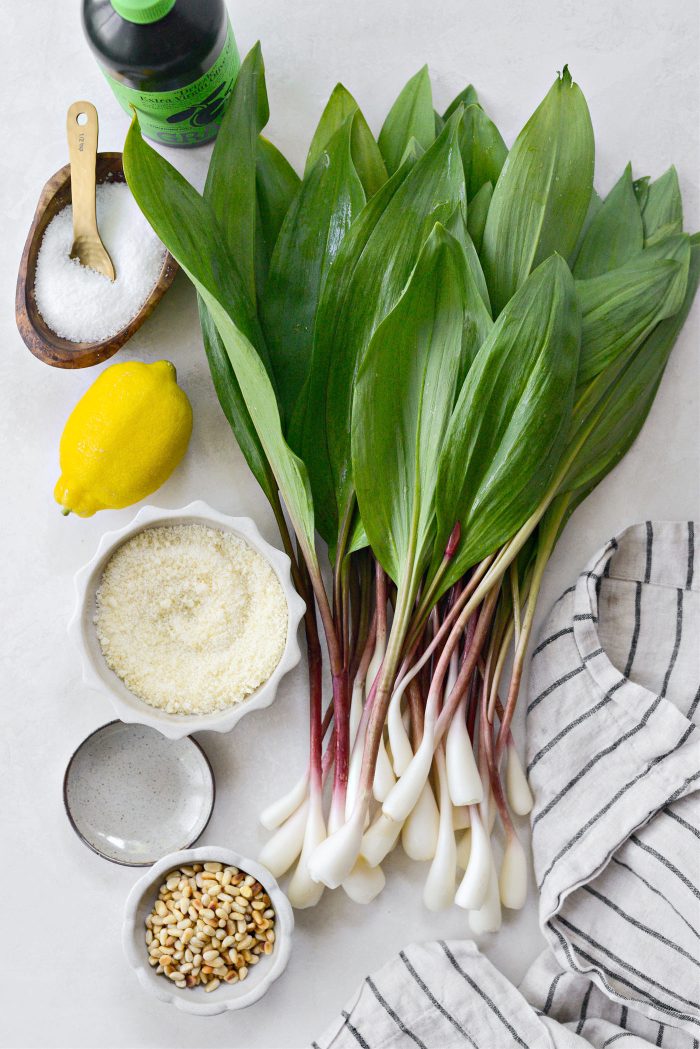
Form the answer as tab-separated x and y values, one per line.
82	129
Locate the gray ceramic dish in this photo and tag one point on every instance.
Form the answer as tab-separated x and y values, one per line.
132	795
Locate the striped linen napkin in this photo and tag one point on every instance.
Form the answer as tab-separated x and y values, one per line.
614	762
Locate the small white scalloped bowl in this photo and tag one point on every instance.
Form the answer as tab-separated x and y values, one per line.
226	997
96	673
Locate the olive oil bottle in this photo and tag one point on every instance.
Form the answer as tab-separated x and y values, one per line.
174	61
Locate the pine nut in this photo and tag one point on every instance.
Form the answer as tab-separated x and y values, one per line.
208	924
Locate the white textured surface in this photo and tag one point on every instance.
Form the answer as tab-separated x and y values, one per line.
638	66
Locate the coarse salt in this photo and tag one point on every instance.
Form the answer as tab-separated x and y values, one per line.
80	304
191	618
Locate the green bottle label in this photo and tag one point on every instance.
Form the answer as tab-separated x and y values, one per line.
191	114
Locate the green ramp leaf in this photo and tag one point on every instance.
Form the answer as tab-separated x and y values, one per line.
541	198
620	308
641	190
364	283
187	225
237	154
411	116
594	206
627	396
276	183
307	428
366	155
511	420
457	226
663	209
233	164
404	395
616	233
482	148
466	97
233	405
477	214
330	198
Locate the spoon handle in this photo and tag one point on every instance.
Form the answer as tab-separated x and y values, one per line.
81	130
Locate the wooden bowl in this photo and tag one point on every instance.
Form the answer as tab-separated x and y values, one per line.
40	339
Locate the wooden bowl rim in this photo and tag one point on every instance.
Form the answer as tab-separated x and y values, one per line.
45	344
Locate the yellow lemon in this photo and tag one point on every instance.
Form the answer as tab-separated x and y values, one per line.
124	438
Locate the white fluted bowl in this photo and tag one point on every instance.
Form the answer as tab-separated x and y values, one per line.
226	997
96	674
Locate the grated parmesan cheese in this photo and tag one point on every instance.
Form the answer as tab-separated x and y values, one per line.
192	619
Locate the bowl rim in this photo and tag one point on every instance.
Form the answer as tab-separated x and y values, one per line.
174	726
137	959
87	842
